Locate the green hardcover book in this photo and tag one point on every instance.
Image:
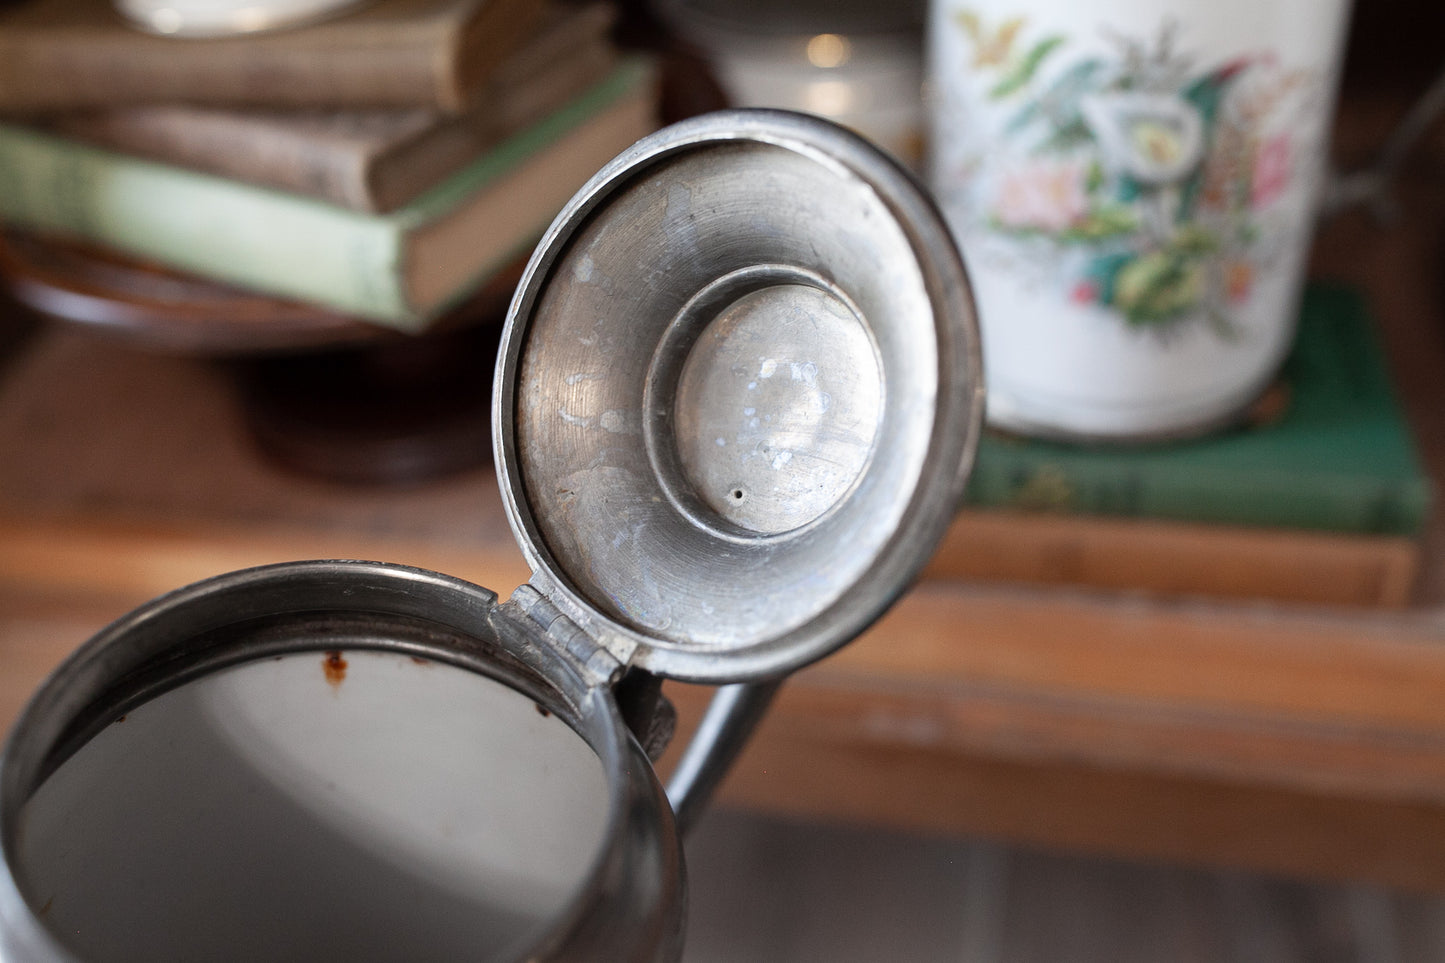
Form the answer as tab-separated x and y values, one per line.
401	268
1340	458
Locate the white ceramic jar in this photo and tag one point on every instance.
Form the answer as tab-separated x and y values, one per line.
1133	185
224	18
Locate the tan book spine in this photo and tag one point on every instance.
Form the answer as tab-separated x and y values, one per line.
406	168
66	54
265	149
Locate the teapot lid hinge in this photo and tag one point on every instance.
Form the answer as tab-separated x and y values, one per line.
589	655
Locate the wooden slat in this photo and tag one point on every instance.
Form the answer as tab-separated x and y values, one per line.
1178	558
1091	809
1305	664
1382	763
82	557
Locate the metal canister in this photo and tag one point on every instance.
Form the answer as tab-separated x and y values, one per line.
737	395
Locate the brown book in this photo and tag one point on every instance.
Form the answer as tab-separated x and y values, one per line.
66	54
368	160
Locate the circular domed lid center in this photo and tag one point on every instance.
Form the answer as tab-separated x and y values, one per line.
776	405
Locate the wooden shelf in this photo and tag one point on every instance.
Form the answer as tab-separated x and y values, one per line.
1291	738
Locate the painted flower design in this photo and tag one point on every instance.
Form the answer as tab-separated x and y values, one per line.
1153	138
1151	167
1044	196
1271	170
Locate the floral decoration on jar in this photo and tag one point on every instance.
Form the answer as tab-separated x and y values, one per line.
1146	181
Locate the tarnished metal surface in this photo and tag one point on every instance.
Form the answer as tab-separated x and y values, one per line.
737	395
629	906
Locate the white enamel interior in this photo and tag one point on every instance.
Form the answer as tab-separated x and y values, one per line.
398	809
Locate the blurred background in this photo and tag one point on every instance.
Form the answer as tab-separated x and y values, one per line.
1178	701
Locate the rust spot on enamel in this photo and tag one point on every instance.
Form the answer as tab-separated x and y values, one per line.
334	665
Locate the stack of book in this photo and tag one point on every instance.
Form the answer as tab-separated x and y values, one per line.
382	164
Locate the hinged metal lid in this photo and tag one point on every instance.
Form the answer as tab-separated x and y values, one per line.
738	393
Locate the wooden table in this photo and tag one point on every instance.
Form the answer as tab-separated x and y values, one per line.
1288	738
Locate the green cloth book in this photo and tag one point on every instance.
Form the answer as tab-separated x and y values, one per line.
1340	458
401	268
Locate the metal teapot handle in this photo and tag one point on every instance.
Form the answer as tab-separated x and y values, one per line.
730	718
